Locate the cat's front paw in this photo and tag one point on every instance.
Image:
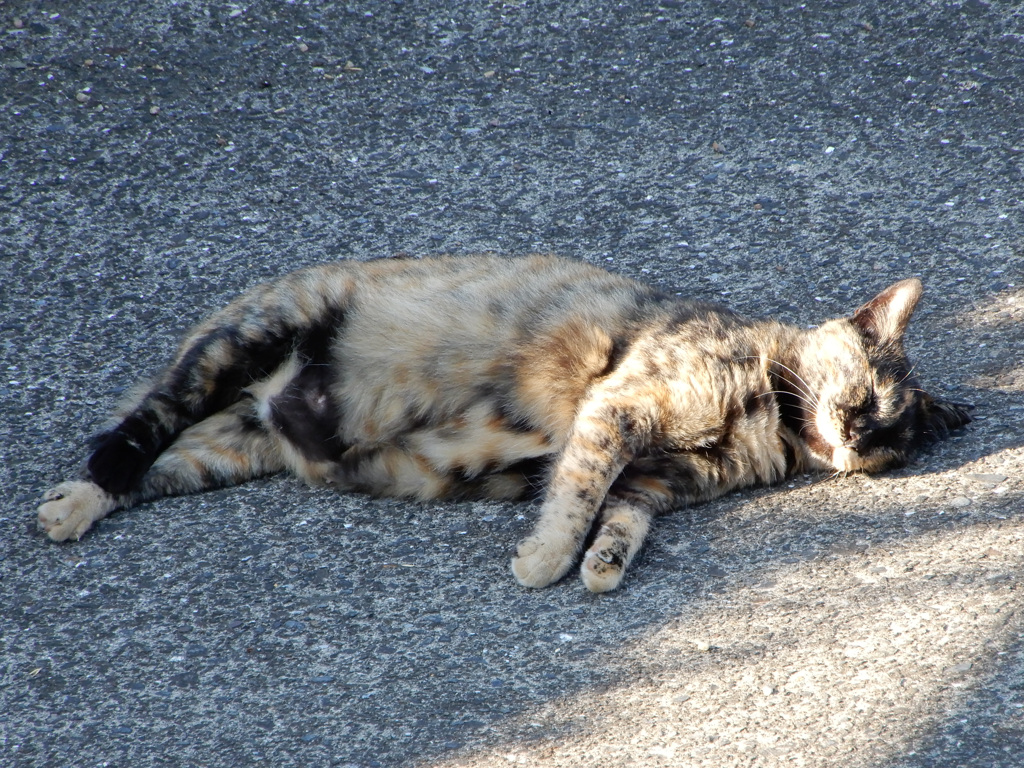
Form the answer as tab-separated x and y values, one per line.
539	562
69	509
603	566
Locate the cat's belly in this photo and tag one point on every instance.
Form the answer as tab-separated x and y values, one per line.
474	454
476	442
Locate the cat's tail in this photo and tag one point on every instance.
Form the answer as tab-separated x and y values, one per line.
244	342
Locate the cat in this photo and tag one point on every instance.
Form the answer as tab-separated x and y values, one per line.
457	377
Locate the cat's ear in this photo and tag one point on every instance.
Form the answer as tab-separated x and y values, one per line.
885	317
942	417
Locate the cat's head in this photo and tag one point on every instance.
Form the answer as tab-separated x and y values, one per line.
858	405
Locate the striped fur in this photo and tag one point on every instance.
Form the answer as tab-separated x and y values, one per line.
491	377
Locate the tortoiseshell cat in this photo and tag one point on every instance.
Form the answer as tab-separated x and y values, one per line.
484	376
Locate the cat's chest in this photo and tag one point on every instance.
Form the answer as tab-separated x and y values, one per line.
720	429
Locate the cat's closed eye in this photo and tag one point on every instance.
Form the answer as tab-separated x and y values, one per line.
857	407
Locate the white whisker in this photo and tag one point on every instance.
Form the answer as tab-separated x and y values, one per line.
805	389
800	397
802	387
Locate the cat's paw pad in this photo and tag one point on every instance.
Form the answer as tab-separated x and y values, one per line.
69	509
603	567
539	562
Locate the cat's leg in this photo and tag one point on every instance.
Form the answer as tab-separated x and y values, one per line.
238	345
623	529
225	449
633	502
603	439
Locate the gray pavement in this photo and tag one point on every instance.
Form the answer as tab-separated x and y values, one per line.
158	157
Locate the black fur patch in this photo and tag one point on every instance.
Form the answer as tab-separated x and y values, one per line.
305	412
121	457
306	415
535	471
755	403
250	359
940	417
620	348
790	457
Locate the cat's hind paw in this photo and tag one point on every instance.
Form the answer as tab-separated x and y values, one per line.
69	509
540	562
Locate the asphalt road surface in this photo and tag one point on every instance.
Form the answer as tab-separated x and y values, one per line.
158	157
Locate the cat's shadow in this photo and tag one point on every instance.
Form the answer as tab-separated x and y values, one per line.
402	631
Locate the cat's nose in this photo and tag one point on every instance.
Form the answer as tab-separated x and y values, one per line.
856	433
